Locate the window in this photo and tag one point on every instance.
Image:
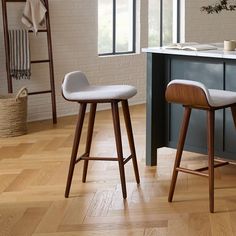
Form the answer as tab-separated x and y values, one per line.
163	22
116	26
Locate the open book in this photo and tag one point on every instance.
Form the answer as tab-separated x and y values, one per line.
191	46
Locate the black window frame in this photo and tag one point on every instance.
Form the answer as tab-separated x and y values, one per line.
177	21
114	52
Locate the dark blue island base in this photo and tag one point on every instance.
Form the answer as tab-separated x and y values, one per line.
163	120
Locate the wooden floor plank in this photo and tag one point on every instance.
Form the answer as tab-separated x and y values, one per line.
28	222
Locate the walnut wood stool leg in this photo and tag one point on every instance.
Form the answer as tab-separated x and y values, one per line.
128	124
210	146
78	131
89	137
233	111
116	122
182	136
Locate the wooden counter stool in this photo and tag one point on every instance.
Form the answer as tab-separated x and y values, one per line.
192	94
76	88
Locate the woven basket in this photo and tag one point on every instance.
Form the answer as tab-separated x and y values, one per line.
13	114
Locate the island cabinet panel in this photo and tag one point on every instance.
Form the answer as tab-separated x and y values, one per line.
217	70
211	74
230	131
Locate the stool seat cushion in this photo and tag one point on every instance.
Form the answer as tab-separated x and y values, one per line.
76	87
107	92
215	97
220	98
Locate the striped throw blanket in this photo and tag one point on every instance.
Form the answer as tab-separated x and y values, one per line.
19	54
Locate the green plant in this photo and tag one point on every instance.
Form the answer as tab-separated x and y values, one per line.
222	5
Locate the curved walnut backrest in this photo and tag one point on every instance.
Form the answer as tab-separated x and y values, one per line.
188	94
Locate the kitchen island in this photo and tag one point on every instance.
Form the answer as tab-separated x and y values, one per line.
217	70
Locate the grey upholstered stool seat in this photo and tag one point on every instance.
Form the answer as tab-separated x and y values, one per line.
76	87
192	94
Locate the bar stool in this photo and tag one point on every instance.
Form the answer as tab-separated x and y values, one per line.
192	94
76	88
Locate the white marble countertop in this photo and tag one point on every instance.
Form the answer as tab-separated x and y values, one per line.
219	53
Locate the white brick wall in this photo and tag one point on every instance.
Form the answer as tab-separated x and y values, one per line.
201	27
74	36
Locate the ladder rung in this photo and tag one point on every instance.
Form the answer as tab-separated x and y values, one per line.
40	92
15	0
40	61
41	30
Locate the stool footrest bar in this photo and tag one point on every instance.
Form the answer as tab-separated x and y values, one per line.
99	158
194	172
85	157
127	159
80	158
215	166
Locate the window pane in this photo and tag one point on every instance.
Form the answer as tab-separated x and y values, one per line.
167	22
124	25
105	18
154	23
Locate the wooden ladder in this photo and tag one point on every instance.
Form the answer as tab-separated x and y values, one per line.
49	60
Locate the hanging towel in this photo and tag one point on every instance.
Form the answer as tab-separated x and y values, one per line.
19	54
34	14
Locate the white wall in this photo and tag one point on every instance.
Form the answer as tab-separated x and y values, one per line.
202	27
74	36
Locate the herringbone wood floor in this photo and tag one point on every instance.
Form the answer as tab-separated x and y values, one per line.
33	171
